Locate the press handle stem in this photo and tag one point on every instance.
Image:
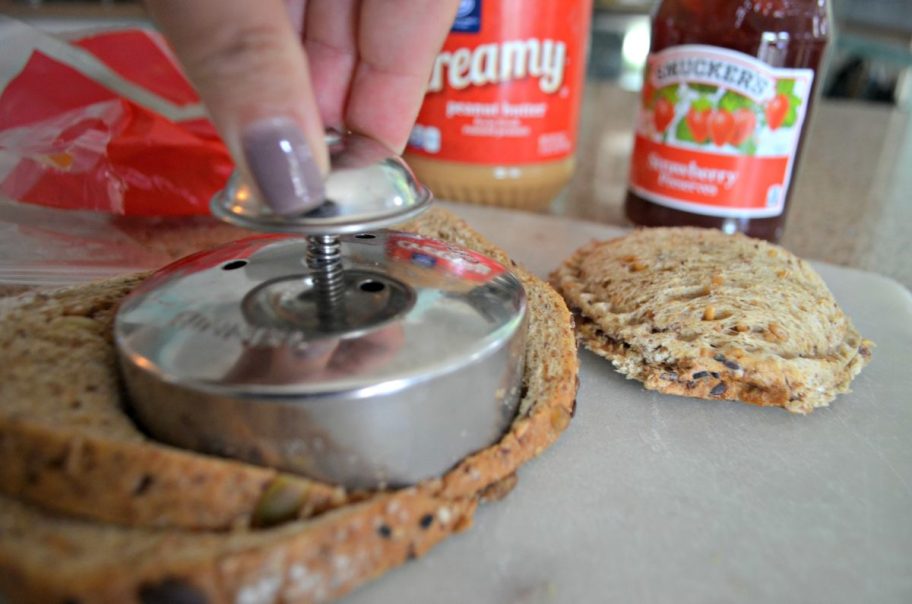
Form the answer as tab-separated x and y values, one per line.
324	259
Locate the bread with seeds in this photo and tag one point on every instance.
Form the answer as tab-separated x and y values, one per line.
93	510
696	312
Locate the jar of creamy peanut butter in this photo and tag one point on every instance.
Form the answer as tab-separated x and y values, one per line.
499	121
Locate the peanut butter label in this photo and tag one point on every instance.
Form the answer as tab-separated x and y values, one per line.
506	86
718	132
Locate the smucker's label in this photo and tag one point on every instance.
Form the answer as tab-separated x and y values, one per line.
506	86
718	132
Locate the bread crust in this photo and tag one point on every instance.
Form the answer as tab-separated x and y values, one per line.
695	312
50	558
90	462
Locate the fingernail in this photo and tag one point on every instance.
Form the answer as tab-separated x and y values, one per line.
281	162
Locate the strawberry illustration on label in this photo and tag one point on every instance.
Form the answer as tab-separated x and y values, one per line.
663	114
721	126
745	122
647	93
698	122
776	110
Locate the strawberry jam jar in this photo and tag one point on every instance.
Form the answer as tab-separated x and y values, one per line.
727	92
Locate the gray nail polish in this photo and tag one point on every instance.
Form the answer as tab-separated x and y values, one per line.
281	162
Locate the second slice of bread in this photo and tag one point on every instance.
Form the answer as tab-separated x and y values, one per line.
696	312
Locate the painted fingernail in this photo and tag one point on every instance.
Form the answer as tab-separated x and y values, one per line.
281	162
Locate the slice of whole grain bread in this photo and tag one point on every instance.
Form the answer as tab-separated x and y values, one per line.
70	450
47	558
696	312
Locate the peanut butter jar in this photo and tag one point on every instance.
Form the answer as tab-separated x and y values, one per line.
498	125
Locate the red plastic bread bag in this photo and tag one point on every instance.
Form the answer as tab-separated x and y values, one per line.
104	122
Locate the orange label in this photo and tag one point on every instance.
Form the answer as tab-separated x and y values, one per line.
718	132
506	86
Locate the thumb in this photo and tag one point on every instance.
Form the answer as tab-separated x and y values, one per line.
249	67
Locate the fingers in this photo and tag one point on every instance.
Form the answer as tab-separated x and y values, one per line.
246	60
332	51
371	60
397	41
295	10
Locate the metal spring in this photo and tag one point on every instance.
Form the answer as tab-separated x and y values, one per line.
324	259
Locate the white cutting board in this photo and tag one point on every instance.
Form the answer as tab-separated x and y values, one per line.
653	498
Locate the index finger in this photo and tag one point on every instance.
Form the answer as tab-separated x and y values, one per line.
397	44
247	62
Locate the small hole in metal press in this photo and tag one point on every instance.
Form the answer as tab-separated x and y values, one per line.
234	264
372	287
365	236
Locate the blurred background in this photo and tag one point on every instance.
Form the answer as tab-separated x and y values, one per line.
870	59
851	197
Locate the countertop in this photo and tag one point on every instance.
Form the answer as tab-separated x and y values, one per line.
655	498
851	203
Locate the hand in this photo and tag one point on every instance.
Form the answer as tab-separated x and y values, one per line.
274	75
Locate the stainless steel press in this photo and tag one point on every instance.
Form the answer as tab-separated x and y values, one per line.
353	355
